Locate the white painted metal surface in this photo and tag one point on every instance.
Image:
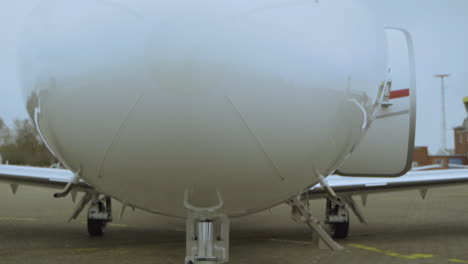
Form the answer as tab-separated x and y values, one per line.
56	175
41	177
387	148
253	100
413	180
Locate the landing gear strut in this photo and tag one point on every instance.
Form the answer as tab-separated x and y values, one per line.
207	233
300	213
99	214
207	240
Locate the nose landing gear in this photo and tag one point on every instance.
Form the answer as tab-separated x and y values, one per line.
207	240
207	233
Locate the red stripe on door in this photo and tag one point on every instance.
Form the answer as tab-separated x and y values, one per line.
399	93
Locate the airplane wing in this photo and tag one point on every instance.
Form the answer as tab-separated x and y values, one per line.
39	177
413	180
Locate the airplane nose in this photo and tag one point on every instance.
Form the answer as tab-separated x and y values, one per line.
220	100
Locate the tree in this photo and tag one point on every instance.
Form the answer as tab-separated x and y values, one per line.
26	147
5	134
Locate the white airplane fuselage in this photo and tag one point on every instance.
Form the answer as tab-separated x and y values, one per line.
157	103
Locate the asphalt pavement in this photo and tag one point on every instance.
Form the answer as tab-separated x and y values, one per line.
402	228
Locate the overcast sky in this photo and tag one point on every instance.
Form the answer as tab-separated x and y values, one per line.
439	28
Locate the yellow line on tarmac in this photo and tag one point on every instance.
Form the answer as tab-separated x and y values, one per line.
24	219
458	260
393	254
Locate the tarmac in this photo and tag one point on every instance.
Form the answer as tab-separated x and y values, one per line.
402	228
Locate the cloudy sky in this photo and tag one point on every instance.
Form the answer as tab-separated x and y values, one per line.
439	28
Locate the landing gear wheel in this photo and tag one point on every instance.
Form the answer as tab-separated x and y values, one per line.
99	213
96	227
340	230
337	218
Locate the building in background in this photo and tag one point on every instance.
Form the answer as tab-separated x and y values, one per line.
459	155
461	134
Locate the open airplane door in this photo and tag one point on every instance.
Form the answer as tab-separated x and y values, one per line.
386	150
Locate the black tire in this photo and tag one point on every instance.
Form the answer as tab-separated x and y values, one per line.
340	230
96	227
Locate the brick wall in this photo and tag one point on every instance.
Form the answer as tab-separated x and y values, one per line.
421	156
461	141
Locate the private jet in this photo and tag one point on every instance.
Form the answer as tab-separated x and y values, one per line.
215	109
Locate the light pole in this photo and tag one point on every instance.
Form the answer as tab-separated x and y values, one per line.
443	147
